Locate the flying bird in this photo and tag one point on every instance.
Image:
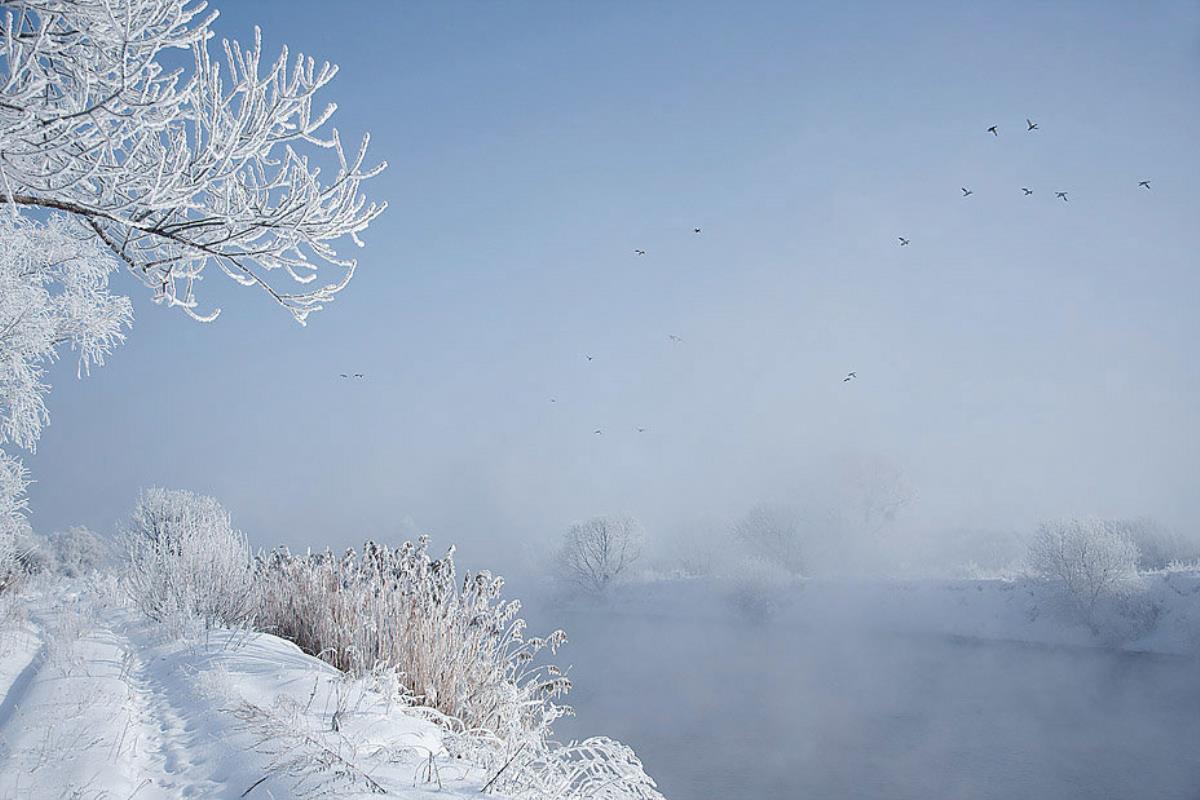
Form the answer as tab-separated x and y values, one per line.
903	241
640	252
967	192
359	375
672	337
992	130
1144	184
1063	195
1027	191
849	376
589	358
598	432
343	375
640	430
553	399
695	230
1032	126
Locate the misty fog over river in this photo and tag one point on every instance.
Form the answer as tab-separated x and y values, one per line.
719	708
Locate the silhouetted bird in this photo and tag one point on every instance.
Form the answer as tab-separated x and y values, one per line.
695	230
589	358
598	432
553	400
967	192
343	375
1032	126
903	241
640	430
992	130
640	252
359	375
1026	191
849	376
1144	184
1063	195
674	338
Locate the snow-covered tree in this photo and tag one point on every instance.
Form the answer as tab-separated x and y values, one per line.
176	166
13	525
118	149
53	293
187	561
599	552
1090	558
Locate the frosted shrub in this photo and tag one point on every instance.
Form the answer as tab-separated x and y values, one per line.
460	653
457	646
1092	560
76	551
594	769
187	561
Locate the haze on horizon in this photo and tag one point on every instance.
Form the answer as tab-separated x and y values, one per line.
1021	358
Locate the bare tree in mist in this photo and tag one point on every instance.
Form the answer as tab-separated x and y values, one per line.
597	553
773	533
878	492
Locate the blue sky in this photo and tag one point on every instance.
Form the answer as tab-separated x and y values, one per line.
1022	358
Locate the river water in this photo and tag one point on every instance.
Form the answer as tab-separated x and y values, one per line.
722	707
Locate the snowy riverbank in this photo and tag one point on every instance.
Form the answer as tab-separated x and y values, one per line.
99	702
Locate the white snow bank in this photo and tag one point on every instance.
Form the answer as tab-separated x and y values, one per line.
99	702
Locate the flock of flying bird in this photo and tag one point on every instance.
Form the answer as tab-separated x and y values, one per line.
994	130
1030	126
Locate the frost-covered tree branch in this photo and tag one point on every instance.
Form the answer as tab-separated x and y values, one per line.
172	167
53	292
13	482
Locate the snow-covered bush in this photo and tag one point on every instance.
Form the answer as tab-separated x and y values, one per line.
458	647
598	768
1092	560
187	561
76	551
71	553
597	553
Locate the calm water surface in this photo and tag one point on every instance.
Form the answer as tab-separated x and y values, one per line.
720	708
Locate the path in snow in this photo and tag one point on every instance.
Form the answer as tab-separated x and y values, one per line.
99	704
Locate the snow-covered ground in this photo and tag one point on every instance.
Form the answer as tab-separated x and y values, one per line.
100	703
